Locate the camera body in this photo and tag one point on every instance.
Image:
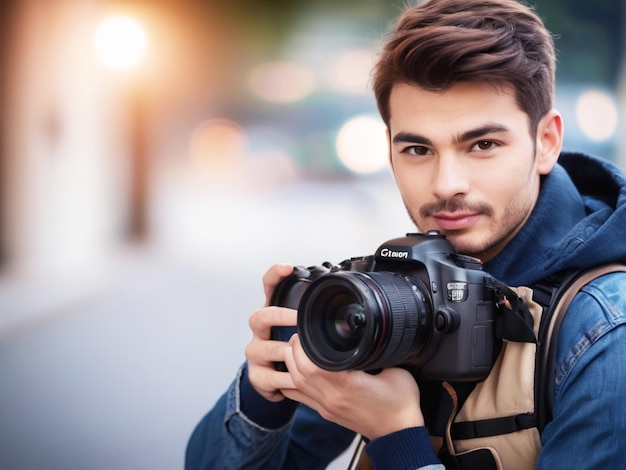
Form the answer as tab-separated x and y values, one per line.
415	303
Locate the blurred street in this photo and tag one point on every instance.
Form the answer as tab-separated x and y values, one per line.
117	378
116	375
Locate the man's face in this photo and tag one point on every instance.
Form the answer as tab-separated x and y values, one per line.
465	163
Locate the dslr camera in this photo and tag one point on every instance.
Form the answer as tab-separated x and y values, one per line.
415	304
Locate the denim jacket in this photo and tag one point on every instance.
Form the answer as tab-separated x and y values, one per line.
228	439
579	221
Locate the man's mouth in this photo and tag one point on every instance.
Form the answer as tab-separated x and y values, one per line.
452	221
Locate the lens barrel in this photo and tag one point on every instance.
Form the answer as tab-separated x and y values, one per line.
365	320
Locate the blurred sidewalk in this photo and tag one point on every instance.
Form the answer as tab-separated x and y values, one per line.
114	370
119	378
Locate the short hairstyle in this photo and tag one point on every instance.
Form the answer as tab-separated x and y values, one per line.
439	43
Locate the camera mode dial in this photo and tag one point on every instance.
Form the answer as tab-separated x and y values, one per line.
446	320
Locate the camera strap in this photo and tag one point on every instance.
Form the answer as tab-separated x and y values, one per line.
513	320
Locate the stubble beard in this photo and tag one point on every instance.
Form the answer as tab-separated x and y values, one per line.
498	233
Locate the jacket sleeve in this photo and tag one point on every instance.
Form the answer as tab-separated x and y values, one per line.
589	406
243	430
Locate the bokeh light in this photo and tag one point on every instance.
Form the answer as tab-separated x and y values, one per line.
597	115
282	82
218	143
349	72
362	145
120	42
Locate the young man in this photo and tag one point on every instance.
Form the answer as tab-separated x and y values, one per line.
466	90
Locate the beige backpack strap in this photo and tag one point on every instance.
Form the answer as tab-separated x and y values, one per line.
548	353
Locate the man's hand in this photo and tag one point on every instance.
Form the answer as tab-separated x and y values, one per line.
372	405
262	352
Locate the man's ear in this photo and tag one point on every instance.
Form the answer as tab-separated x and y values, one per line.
549	141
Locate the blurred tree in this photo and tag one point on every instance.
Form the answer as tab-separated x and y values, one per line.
589	38
589	34
270	22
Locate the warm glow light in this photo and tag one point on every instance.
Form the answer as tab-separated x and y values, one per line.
282	82
120	42
597	115
218	143
362	145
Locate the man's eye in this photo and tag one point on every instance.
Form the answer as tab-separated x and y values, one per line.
417	150
484	145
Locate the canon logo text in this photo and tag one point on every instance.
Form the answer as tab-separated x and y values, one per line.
387	253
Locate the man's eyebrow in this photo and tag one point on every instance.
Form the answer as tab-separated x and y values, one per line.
409	137
480	132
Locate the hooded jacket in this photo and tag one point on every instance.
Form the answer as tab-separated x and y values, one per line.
579	221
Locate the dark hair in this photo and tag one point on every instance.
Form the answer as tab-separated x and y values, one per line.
439	43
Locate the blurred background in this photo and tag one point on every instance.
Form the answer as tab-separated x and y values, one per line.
157	156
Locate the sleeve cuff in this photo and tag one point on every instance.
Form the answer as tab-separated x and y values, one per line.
409	448
265	413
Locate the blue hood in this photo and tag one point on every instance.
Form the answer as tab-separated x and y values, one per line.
579	222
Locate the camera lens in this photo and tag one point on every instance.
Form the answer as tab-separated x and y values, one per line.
344	320
356	320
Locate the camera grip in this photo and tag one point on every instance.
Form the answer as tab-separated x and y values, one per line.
287	294
282	333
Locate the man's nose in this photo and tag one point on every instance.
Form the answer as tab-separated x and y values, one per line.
450	178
